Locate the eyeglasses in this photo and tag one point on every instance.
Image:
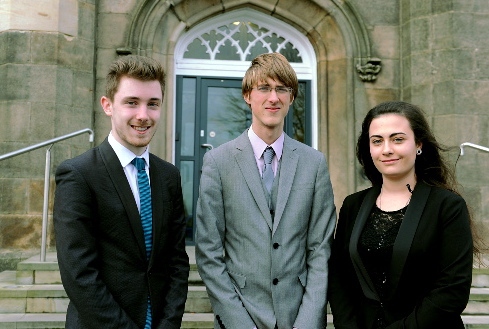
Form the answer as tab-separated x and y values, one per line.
280	90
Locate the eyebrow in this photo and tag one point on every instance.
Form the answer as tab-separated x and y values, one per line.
135	97
278	84
391	135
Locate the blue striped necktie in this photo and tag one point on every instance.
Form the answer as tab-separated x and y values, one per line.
146	214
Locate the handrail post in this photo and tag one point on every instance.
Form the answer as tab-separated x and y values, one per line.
45	209
479	147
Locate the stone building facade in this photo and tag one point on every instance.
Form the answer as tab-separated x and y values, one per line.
54	56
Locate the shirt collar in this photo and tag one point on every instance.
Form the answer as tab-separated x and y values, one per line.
259	145
124	154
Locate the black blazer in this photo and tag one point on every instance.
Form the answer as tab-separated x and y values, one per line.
429	279
100	244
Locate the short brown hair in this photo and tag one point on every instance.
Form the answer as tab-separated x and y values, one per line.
271	65
133	66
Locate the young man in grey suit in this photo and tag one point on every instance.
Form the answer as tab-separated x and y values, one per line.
263	244
121	247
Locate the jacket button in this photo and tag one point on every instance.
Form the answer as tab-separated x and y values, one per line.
275	281
275	245
272	212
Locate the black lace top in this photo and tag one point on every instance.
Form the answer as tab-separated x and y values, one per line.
375	247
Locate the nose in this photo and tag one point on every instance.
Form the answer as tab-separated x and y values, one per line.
142	113
273	96
386	148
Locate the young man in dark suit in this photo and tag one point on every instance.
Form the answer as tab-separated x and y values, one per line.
121	249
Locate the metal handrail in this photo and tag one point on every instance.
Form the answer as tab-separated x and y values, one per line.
47	174
479	147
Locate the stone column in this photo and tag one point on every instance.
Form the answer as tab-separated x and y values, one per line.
445	67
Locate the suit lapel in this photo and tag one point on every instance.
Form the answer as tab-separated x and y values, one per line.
119	179
157	179
406	234
247	165
288	167
362	216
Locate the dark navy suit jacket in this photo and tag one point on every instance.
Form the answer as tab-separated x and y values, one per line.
100	244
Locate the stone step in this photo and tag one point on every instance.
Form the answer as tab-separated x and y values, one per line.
478	302
33	271
47	297
52	298
476	321
40	320
197	321
480	277
190	321
57	320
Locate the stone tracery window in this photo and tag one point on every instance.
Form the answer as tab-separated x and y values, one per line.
240	41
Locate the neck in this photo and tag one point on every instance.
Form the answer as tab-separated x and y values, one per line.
398	188
399	185
269	135
395	195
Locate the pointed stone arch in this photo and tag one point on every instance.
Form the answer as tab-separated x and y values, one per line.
334	29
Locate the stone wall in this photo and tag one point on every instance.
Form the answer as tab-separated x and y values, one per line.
46	90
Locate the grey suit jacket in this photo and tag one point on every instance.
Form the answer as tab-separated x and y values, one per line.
260	272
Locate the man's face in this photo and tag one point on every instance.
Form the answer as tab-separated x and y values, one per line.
135	112
268	108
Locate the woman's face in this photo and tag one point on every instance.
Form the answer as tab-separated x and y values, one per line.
393	146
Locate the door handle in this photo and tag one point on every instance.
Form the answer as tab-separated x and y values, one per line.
209	146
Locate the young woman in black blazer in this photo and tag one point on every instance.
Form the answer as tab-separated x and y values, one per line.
403	250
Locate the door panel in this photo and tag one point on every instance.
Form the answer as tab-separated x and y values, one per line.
226	113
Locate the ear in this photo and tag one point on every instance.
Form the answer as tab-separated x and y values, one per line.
291	99
246	97
106	105
419	145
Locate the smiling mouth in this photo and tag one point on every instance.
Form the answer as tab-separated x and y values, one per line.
140	128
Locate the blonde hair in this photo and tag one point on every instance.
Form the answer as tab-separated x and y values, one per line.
271	65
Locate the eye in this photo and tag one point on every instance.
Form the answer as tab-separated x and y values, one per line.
264	89
131	103
398	140
376	141
282	90
154	104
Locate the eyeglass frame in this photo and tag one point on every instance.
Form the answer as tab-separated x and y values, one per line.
279	90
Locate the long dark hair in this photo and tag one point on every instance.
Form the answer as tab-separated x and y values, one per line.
430	166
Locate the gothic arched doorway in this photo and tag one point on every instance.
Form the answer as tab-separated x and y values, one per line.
211	60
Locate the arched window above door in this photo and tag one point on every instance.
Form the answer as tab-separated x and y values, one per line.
240	41
227	43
